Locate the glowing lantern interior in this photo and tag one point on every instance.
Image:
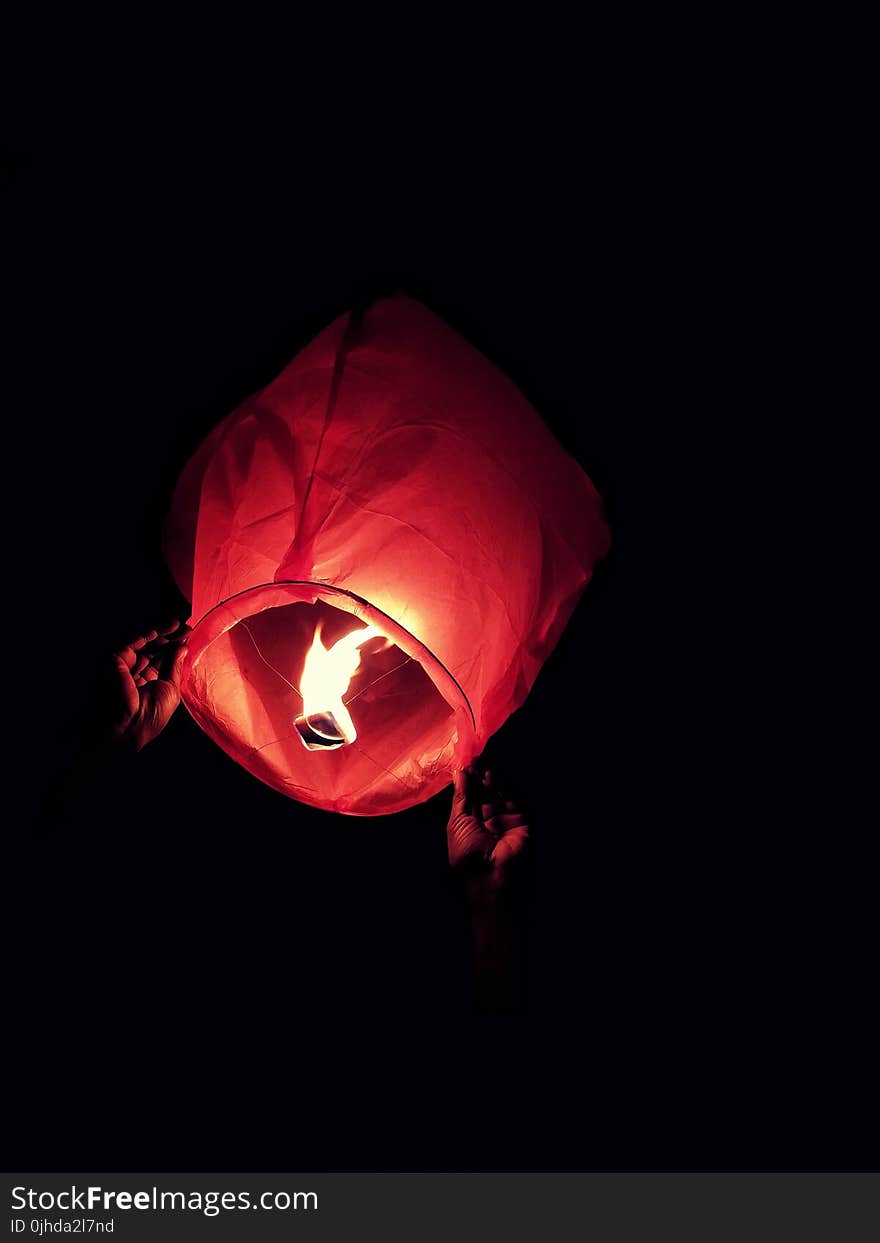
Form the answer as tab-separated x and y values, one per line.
265	659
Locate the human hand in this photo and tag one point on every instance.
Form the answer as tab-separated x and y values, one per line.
145	679
487	834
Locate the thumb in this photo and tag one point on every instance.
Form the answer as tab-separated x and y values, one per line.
126	683
461	797
176	668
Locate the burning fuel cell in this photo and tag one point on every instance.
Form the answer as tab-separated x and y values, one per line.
325	723
320	732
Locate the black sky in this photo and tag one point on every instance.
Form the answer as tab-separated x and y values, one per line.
205	975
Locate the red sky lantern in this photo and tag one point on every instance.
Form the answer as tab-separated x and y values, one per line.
390	478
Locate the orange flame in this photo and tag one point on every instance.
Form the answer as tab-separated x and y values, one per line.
327	673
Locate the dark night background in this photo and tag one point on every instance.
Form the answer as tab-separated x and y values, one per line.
204	975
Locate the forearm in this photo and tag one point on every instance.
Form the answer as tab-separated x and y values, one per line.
498	931
90	759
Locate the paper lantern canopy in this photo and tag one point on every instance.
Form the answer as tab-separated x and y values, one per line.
391	478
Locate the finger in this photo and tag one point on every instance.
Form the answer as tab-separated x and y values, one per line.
178	632
142	640
166	647
495	795
169	629
127	655
126	684
505	821
488	793
511	845
163	640
495	781
140	664
150	674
